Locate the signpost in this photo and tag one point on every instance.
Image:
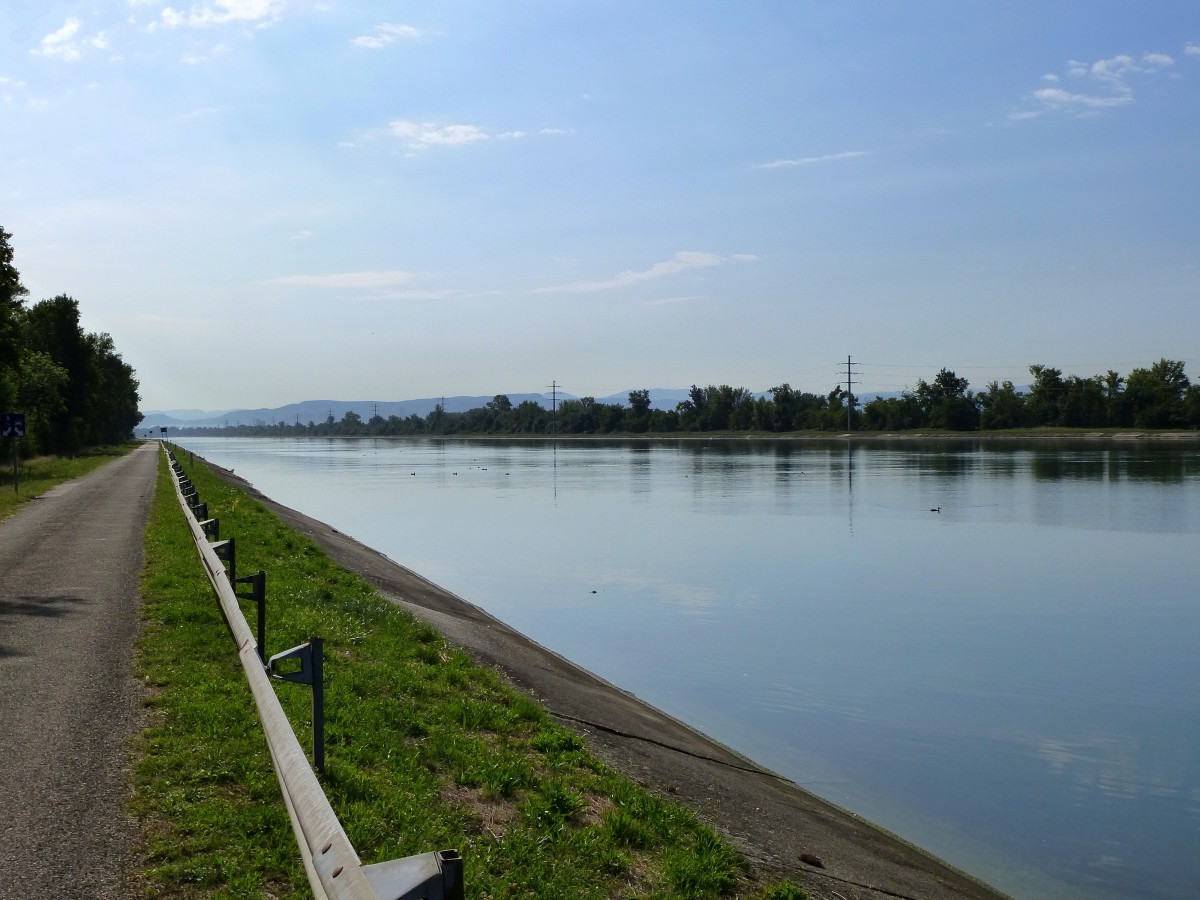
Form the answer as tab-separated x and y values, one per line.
12	425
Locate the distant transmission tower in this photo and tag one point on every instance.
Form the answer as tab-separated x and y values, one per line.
554	386
849	392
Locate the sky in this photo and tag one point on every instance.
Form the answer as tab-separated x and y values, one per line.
267	201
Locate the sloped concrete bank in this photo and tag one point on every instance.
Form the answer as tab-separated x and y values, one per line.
779	826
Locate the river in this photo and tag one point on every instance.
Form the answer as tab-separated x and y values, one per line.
988	648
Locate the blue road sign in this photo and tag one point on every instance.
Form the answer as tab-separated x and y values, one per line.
12	424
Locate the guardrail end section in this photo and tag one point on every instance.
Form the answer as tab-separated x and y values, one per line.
426	876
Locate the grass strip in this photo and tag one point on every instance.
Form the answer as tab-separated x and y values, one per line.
425	750
38	475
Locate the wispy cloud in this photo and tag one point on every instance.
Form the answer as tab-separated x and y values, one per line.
683	261
812	160
385	35
345	280
7	85
224	12
1093	87
419	135
1192	49
67	44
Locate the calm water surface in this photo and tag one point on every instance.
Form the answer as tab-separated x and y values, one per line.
1011	683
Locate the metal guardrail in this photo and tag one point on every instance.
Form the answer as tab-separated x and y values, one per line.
333	867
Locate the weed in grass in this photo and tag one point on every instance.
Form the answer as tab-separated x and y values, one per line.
785	891
708	868
626	830
552	807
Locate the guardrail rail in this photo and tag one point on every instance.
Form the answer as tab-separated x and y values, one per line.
333	867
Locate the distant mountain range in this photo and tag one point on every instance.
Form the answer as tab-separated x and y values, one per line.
319	410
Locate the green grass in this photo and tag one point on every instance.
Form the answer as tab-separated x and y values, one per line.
424	749
38	475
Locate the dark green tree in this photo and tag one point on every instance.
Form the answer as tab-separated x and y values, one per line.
892	413
638	418
1002	406
1155	396
947	402
1045	396
11	305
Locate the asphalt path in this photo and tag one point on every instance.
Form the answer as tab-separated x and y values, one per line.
69	611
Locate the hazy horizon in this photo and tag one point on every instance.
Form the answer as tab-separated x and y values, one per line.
265	199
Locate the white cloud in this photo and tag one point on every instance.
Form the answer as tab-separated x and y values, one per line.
1057	97
384	35
357	280
66	44
812	160
1192	50
1103	84
419	135
680	262
224	12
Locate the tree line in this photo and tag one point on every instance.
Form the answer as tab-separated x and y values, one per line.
1158	397
72	385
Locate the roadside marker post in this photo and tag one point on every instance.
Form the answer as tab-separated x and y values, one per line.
13	425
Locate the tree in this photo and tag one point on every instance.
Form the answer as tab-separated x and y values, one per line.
947	403
1114	398
1045	395
1155	396
893	413
1002	406
40	390
1083	403
11	292
638	419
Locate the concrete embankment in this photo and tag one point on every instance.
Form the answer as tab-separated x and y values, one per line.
779	826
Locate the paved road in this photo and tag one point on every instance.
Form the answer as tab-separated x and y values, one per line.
69	598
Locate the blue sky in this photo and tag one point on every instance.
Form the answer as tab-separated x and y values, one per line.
265	201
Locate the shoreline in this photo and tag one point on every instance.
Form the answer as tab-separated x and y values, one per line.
1087	436
779	827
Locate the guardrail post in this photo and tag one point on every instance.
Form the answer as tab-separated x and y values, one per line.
427	876
210	527
258	593
312	673
226	551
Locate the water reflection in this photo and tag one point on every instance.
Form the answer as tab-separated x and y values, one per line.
1010	682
